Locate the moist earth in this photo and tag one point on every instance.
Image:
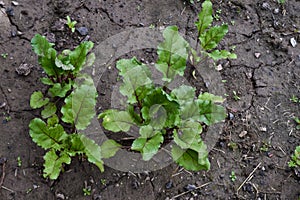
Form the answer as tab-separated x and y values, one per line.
257	138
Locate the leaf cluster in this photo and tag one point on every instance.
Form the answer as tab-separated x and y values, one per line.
160	112
295	159
67	107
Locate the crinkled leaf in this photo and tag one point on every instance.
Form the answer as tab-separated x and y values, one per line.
211	113
53	164
79	54
46	136
160	98
93	152
109	148
73	145
190	110
158	116
37	100
79	105
40	45
52	121
114	120
147	131
136	75
172	54
189	159
184	94
211	38
47	81
64	64
57	90
149	147
205	17
210	97
46	54
223	54
49	110
188	134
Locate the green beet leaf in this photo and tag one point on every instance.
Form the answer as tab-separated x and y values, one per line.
52	121
184	94
172	54
136	75
40	45
190	111
211	113
211	38
210	97
47	81
79	105
46	136
205	17
116	121
148	147
49	110
188	134
60	90
63	63
53	164
93	152
189	159
37	100
79	54
168	107
46	53
223	54
109	148
73	145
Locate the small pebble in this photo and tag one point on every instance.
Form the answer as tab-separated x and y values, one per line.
169	185
293	42
266	6
231	116
3	105
83	31
243	134
2	4
257	55
190	187
219	67
276	10
60	196
9	90
14	3
263	129
10	11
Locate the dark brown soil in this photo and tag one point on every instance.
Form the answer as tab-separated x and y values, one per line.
265	76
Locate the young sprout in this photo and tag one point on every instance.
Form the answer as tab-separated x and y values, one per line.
71	24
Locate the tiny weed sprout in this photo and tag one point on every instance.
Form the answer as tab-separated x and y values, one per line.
87	191
235	96
295	99
162	114
71	24
297	120
62	119
4	55
295	158
232	176
19	161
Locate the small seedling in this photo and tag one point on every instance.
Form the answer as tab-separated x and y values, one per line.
217	15
152	26
19	161
87	191
265	147
295	158
235	96
233	146
295	99
7	118
4	55
281	1
71	24
103	181
232	176
232	22
297	120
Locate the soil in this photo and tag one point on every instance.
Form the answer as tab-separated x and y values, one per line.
257	138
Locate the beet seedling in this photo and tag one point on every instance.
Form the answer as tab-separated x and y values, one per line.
67	106
161	113
71	24
295	159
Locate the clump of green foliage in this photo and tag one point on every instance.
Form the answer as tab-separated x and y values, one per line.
67	106
162	113
295	159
